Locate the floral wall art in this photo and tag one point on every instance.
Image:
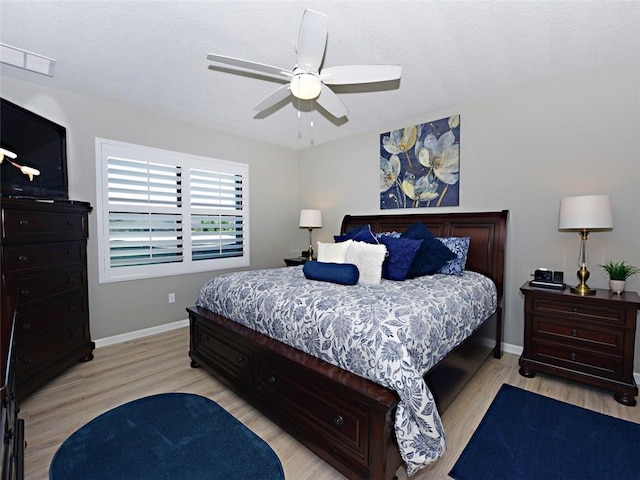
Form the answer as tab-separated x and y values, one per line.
420	165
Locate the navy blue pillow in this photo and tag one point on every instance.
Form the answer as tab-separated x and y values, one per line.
432	254
342	273
361	234
401	252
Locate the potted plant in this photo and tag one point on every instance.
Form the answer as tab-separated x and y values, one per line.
618	274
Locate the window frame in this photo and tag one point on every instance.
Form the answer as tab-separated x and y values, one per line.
186	162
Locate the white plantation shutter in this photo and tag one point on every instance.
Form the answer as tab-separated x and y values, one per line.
167	213
217	225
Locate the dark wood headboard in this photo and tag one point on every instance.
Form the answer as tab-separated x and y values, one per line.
488	232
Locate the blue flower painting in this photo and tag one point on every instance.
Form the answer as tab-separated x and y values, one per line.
420	165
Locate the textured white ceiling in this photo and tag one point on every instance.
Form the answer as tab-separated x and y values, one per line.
152	54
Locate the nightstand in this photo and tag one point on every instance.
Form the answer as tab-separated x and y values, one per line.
589	339
292	262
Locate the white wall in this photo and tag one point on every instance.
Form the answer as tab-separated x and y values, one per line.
524	152
123	307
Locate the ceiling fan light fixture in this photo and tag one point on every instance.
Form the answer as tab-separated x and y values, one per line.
305	86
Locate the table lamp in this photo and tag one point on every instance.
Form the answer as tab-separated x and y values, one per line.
310	219
585	214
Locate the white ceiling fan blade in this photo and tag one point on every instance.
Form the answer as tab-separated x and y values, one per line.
249	65
331	103
273	98
351	74
312	40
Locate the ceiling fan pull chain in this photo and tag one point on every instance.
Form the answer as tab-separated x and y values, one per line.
311	123
299	122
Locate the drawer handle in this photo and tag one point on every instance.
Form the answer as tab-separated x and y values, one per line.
70	223
72	280
271	380
575	309
573	356
70	252
239	360
25	292
73	308
26	326
27	360
23	258
338	421
574	332
24	222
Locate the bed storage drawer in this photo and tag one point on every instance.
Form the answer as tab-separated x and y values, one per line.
339	423
233	360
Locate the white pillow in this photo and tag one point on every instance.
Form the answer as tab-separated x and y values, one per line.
368	258
333	252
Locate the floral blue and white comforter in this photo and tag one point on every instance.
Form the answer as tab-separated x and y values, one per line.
390	333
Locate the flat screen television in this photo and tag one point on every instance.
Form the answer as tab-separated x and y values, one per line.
39	143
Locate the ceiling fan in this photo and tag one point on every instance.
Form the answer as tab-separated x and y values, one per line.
306	80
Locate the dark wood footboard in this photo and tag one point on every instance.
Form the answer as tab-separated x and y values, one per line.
343	418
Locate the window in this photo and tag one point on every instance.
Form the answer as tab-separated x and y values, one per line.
167	213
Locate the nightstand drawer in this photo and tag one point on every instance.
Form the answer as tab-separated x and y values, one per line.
576	311
585	361
578	334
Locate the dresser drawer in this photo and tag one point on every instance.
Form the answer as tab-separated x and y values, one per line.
579	334
34	321
36	355
25	225
585	361
233	359
34	256
338	423
39	287
579	311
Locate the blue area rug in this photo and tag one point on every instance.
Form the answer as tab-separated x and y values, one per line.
526	436
168	436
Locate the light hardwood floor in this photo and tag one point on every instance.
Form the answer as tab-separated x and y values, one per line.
158	364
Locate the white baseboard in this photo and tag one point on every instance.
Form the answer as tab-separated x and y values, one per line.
126	337
517	350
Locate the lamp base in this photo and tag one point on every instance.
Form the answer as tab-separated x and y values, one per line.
583	289
583	275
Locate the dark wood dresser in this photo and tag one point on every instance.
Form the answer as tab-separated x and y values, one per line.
584	338
44	274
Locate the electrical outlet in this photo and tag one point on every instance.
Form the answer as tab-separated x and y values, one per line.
172	298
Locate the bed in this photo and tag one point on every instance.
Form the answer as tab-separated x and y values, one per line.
364	424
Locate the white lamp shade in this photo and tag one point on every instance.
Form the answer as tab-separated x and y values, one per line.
310	219
586	212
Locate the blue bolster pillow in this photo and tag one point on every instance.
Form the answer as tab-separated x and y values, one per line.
342	273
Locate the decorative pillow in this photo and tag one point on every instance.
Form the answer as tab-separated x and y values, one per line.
342	273
393	234
363	234
402	251
432	254
333	252
368	258
459	246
